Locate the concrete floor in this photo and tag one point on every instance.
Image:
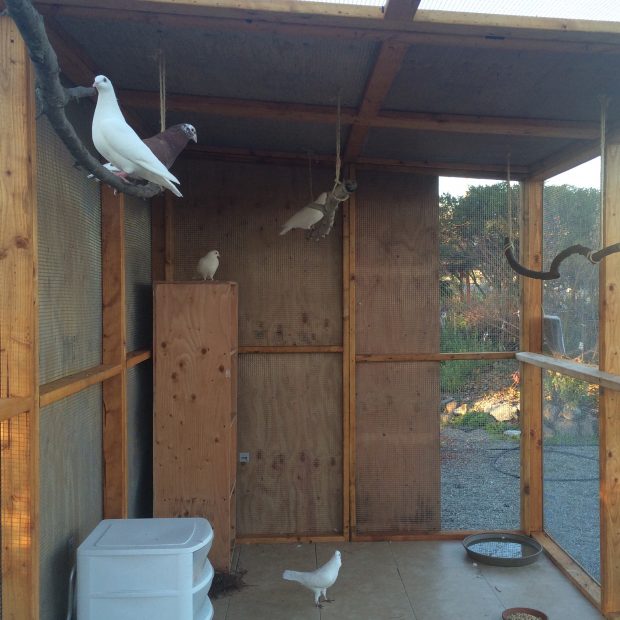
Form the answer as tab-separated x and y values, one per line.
403	580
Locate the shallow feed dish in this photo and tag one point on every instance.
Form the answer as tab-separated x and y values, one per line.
501	549
509	614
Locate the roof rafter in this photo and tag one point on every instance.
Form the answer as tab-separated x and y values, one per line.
401	10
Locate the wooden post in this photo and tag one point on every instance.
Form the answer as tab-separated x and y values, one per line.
114	352
531	376
19	433
609	414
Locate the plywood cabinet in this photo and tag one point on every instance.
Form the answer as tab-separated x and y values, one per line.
195	402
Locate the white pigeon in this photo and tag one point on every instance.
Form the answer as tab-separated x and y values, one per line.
307	216
318	580
121	145
208	264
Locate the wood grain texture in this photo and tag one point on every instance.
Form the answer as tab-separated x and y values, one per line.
291	287
19	498
398	461
609	402
114	352
397	264
194	421
290	422
531	314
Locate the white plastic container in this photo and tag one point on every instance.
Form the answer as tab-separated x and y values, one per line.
145	569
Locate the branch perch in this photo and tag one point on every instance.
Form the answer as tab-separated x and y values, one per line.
53	96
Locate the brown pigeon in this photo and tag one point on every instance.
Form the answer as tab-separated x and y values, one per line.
167	145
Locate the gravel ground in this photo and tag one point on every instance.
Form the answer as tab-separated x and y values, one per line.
480	490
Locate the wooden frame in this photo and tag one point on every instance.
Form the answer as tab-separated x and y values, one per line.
19	354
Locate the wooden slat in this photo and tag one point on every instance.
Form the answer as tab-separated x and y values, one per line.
590	374
401	10
588	587
115	491
435	357
137	357
386	67
609	401
531	316
291	349
10	407
350	360
67	386
19	497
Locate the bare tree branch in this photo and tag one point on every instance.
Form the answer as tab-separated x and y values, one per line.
53	97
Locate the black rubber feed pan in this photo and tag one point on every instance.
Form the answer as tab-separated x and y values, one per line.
502	549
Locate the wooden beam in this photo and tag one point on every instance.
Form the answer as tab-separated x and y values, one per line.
531	317
434	357
10	407
307	113
115	492
582	372
387	65
609	400
67	386
401	10
137	357
19	465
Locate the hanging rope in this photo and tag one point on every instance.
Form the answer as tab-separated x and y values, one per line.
593	257
162	85
338	161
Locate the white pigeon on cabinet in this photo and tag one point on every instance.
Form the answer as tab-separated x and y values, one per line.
208	264
121	145
318	580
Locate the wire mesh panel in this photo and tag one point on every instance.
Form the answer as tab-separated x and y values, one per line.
138	291
290	425
479	290
396	263
69	247
140	440
71	504
397	448
571	215
290	287
480	457
571	467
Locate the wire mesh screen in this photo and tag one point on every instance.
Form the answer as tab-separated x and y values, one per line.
138	291
396	263
397	447
290	287
479	291
480	461
140	440
71	474
290	424
571	467
571	215
15	459
69	247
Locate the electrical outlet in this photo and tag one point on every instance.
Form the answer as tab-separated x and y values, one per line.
244	457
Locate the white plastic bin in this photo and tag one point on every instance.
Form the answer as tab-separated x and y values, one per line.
151	569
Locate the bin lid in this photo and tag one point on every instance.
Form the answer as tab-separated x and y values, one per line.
148	535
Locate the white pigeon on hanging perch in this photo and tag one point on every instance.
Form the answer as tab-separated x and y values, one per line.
121	145
318	580
208	264
307	216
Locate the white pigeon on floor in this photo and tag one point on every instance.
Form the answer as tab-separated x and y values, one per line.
121	145
208	264
318	580
308	216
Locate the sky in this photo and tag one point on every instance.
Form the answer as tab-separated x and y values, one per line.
586	175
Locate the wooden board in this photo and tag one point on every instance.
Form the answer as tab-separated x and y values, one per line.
290	423
194	406
397	264
19	499
290	287
398	461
